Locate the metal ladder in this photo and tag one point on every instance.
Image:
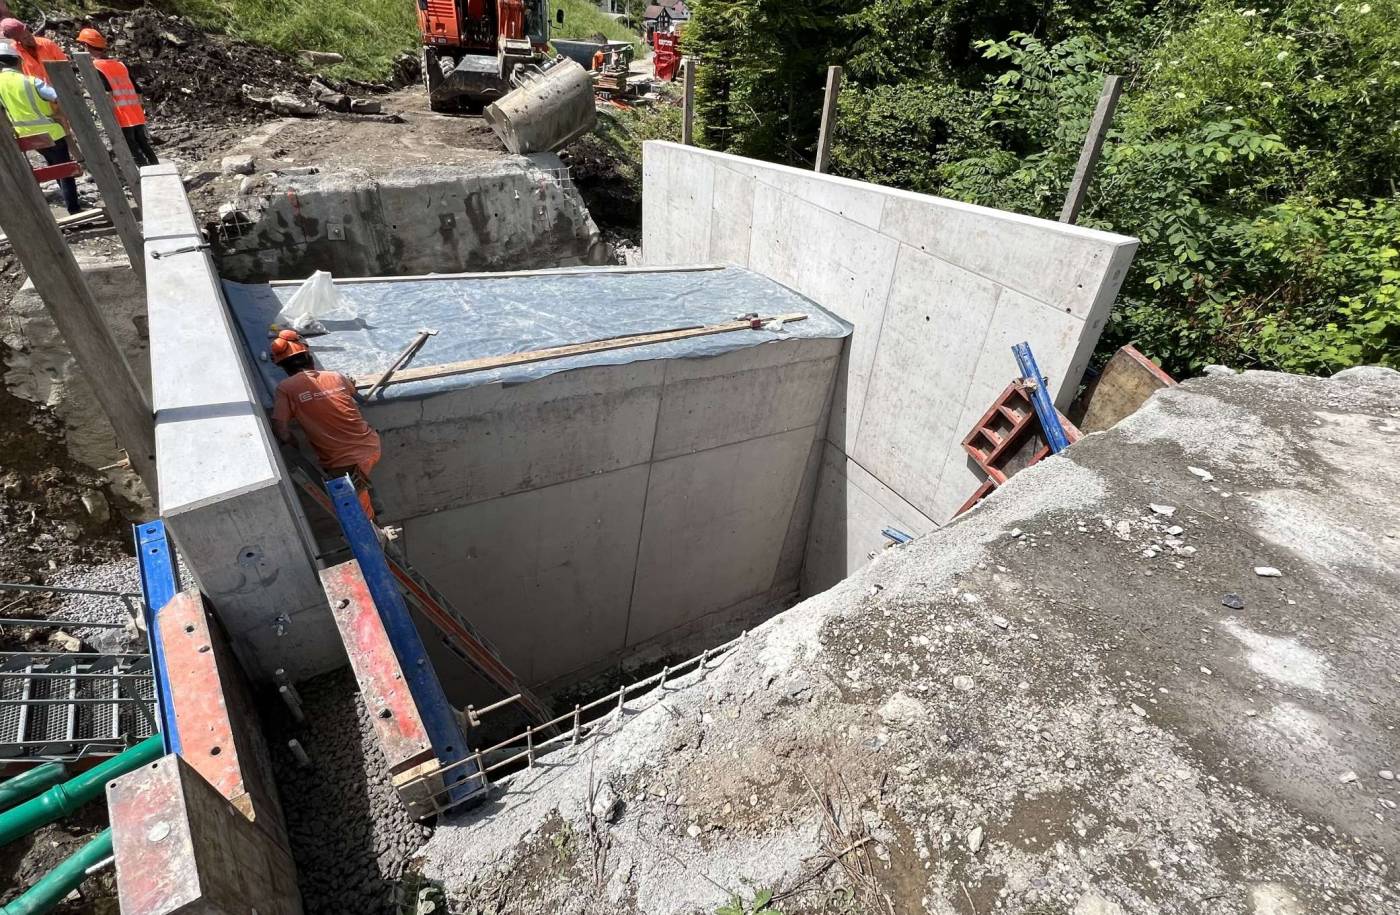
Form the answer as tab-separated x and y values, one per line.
460	636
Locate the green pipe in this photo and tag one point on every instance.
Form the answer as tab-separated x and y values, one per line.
27	784
62	880
61	800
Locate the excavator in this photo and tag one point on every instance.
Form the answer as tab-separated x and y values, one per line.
493	56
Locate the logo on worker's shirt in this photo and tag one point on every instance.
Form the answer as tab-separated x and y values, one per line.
305	396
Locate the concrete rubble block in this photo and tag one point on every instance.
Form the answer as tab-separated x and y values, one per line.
223	489
714	529
752	392
366	106
181	847
285	103
850	510
238	165
335	101
321	58
547	574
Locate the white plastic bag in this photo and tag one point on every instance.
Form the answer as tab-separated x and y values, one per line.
317	300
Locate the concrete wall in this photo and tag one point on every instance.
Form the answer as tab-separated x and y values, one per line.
598	513
223	490
938	291
510	213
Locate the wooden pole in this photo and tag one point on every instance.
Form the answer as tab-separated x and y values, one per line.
97	161
102	102
1093	145
688	125
833	92
39	243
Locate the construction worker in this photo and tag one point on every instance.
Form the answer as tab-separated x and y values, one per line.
126	97
29	104
324	405
599	59
33	51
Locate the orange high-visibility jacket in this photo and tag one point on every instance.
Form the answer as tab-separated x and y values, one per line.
124	98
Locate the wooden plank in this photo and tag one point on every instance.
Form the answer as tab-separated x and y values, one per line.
486	363
833	92
688	111
1124	385
39	243
1093	145
77	220
102	102
98	162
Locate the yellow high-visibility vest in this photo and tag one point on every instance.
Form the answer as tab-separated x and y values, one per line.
29	113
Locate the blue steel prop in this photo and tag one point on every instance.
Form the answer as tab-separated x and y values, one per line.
439	719
1040	398
160	582
897	535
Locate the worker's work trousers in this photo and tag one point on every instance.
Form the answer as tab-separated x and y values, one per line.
359	475
57	154
140	142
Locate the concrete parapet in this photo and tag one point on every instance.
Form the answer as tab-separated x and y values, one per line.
180	846
938	291
223	491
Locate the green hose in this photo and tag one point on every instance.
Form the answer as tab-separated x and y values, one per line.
61	800
27	784
62	880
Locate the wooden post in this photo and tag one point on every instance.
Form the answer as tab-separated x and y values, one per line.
102	102
688	125
1093	145
39	243
833	91
97	161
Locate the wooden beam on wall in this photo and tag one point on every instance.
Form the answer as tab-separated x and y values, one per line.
1093	145
833	92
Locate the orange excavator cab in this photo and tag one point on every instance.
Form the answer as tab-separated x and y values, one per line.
494	55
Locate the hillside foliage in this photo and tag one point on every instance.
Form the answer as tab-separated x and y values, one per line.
1254	150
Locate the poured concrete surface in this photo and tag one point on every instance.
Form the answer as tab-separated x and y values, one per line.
938	291
1046	706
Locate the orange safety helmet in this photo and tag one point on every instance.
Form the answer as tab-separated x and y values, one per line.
285	345
92	38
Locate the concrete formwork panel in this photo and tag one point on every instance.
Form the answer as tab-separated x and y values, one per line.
937	292
180	847
223	490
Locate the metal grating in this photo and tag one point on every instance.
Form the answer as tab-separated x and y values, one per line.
69	706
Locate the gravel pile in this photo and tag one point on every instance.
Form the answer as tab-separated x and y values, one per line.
350	835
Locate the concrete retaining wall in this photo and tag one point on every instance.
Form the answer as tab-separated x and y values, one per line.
223	490
613	510
512	213
938	291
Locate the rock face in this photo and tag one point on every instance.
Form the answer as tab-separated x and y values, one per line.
1131	746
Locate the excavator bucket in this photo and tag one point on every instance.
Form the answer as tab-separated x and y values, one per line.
550	106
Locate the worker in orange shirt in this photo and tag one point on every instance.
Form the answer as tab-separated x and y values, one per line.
323	403
33	51
126	97
599	59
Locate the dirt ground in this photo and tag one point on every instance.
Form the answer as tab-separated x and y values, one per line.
1155	675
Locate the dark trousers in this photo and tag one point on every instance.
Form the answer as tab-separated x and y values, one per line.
57	154
140	143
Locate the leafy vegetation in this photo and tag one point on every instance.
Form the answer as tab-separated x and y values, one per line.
583	19
760	904
1253	152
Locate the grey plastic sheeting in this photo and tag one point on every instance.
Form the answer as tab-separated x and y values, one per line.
478	317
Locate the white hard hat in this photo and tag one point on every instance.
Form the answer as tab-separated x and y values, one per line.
7	49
